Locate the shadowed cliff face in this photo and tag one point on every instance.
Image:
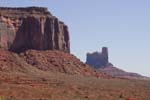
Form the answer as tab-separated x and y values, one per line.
98	59
32	28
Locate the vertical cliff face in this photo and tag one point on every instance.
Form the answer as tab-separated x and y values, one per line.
32	28
98	59
104	55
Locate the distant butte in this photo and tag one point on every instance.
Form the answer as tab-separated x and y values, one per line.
36	28
98	59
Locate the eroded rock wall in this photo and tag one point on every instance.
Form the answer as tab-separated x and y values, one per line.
32	28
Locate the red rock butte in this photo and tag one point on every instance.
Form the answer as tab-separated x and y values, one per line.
36	28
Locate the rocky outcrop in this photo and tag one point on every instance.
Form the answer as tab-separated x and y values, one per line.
98	59
36	62
116	72
32	28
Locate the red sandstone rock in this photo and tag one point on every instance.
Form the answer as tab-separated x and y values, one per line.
33	62
57	61
22	29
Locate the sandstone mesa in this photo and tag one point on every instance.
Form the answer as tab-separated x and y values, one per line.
36	28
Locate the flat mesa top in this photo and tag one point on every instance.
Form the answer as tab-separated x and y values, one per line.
23	10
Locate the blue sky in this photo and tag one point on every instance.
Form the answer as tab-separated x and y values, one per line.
121	25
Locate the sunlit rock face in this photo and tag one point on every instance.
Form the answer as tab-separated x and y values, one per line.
32	28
